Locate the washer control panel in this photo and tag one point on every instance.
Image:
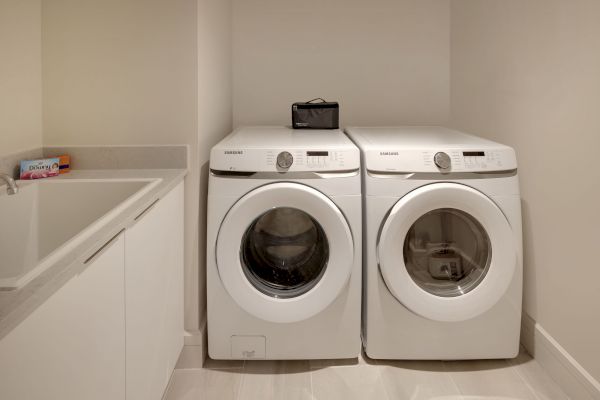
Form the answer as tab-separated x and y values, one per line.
442	161
312	160
285	160
279	149
322	158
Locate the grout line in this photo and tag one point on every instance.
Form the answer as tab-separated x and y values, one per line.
514	367
379	368
514	371
449	373
242	374
380	378
312	390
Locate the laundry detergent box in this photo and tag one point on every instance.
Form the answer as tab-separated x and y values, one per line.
36	169
65	163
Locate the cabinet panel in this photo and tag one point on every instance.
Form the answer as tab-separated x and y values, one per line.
73	346
154	297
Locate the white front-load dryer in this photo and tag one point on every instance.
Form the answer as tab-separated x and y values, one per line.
284	245
443	252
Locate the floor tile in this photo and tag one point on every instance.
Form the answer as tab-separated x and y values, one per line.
191	357
344	362
203	384
488	379
361	382
362	359
275	380
536	377
417	380
362	378
223	364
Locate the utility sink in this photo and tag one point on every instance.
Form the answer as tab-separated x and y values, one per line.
49	218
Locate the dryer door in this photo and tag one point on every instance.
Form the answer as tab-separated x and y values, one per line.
284	252
447	252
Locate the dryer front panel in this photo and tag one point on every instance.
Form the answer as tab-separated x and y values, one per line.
284	252
447	252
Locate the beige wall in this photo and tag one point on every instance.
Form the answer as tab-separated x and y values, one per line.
125	72
119	71
20	75
385	61
214	103
527	73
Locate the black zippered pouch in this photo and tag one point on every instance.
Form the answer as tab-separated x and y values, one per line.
311	115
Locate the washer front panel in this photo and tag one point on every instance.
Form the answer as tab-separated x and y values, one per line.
233	234
485	279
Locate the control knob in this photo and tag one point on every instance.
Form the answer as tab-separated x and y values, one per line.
285	160
442	161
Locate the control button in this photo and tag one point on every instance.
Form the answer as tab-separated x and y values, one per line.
285	160
442	161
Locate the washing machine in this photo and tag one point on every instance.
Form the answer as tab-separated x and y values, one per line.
284	245
443	245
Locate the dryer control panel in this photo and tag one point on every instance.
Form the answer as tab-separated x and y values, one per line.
466	160
443	160
430	149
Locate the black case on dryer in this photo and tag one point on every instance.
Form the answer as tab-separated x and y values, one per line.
311	115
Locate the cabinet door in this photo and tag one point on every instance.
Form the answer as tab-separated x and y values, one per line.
72	347
154	297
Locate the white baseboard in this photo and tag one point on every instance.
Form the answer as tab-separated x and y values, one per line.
195	349
575	381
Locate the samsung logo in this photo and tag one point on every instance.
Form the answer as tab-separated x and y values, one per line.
388	153
234	152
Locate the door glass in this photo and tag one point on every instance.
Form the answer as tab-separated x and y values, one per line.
447	252
284	252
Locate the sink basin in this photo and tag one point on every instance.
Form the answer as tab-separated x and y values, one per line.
47	219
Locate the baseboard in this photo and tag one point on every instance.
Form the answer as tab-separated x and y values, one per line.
195	349
575	381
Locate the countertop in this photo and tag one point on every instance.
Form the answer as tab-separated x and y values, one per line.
17	305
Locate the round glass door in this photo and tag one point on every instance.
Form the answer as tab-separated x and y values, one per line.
447	252
284	252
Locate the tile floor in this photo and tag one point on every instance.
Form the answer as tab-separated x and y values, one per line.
365	379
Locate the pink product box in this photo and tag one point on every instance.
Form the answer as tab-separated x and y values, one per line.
36	169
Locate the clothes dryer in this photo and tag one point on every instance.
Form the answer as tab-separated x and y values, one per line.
443	252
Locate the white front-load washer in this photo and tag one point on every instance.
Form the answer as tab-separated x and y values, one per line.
284	245
443	251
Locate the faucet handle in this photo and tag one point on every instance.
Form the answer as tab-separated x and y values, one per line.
11	185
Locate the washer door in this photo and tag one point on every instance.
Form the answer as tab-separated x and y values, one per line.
284	252
447	252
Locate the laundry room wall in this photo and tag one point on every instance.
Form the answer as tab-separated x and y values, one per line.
20	75
119	72
385	61
214	108
139	72
526	73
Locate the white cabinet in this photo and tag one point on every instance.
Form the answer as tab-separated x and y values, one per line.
73	345
115	330
154	297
